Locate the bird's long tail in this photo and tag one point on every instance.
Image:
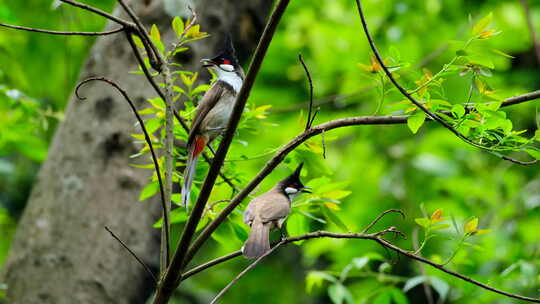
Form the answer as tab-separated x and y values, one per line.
258	241
195	149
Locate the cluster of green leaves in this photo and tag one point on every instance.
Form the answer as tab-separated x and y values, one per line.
480	116
371	265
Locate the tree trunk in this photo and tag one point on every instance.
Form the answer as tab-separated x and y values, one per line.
61	252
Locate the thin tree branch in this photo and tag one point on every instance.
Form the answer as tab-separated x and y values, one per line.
172	277
241	274
532	31
133	254
156	60
308	75
146	137
377	237
380	216
425	283
165	244
211	263
521	98
100	12
62	33
404	92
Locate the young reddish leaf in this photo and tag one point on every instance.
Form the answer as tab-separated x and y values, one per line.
436	216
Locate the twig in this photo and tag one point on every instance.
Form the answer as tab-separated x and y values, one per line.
308	75
100	12
241	274
404	92
133	254
425	284
380	216
211	263
36	30
532	31
153	54
171	278
146	137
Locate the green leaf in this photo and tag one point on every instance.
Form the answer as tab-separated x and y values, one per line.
415	121
398	296
331	216
340	294
534	153
471	225
137	41
176	216
482	24
178	26
383	298
316	278
413	282
461	53
154	33
155	36
440	226
458	110
360	263
297	224
149	190
424	222
440	286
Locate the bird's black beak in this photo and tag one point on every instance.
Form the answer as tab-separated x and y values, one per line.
306	190
208	62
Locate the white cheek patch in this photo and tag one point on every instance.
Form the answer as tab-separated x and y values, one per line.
227	67
291	190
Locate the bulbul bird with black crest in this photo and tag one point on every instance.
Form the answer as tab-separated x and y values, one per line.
214	110
269	211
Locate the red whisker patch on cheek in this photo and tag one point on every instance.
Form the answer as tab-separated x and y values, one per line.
226	61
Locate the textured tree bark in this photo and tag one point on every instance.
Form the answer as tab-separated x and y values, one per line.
61	252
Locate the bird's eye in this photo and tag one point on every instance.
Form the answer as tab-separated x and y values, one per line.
226	61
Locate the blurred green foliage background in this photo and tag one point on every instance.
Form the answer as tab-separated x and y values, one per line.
374	167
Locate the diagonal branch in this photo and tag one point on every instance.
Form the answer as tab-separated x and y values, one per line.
241	274
99	12
37	30
309	120
171	278
532	30
153	54
143	264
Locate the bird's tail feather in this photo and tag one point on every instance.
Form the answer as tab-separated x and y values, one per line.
258	242
195	150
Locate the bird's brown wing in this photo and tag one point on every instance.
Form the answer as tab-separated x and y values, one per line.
274	207
208	101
